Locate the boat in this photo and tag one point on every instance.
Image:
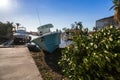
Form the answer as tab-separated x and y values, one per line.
47	40
21	35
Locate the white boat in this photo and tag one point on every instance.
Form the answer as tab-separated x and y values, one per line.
21	35
47	41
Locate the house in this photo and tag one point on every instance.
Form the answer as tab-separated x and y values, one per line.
101	23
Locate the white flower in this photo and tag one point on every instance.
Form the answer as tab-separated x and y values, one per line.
115	55
107	46
91	44
103	41
106	51
94	53
102	30
96	36
119	37
95	46
118	41
110	38
108	33
111	26
107	58
104	34
76	47
86	47
85	60
68	47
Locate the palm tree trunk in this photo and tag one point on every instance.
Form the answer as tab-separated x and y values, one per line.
119	24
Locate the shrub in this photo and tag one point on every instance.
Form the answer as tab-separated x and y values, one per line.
92	57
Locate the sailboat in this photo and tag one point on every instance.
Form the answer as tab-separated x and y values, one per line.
47	40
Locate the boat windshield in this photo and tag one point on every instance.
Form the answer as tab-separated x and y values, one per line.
21	31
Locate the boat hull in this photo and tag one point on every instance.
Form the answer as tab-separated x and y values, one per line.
48	42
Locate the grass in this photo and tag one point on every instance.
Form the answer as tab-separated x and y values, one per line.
47	64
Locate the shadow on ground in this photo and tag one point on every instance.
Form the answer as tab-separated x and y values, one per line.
47	64
52	60
18	43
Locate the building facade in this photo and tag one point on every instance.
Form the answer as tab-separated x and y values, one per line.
101	23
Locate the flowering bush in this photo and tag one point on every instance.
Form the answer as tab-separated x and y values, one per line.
93	57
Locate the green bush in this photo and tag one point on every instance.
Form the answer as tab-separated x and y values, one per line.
93	57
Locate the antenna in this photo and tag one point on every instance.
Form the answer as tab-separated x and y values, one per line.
38	16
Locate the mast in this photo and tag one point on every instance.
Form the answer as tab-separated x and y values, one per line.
38	16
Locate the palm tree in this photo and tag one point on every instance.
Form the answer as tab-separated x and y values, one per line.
72	26
18	24
116	7
64	29
95	28
80	25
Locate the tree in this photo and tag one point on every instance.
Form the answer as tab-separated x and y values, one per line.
64	29
72	26
9	26
6	29
116	7
79	24
95	28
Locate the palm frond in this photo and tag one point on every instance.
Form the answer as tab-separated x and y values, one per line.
116	1
112	7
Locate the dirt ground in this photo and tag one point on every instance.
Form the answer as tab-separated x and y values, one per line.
47	64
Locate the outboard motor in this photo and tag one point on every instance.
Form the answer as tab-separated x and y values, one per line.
33	47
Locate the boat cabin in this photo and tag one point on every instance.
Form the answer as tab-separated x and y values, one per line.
45	28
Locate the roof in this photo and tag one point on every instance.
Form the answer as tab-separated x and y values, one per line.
106	18
45	26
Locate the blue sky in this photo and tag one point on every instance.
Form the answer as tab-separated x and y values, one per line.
61	13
